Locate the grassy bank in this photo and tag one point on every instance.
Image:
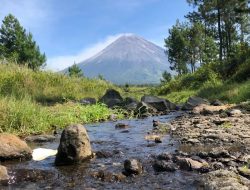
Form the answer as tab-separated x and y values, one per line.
35	102
207	83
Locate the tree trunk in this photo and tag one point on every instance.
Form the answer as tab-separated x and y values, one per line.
219	29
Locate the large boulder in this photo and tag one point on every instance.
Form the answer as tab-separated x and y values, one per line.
144	110
193	102
12	147
112	98
132	166
74	146
130	104
159	104
3	173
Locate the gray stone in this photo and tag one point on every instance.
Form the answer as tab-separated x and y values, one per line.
193	102
40	138
112	98
132	167
74	146
159	104
164	166
88	101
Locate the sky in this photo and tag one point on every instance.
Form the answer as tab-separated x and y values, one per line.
72	31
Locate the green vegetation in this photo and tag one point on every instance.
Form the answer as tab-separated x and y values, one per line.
33	102
18	46
75	71
210	52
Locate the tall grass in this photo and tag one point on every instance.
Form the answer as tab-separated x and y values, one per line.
34	102
47	87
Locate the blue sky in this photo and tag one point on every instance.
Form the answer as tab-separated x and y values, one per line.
69	31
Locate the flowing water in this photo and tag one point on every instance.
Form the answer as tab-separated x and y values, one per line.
120	145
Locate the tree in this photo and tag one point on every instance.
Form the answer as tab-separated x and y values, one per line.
166	77
75	71
176	45
16	44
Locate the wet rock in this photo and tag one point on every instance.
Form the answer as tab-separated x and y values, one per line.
158	140
244	171
193	102
121	126
112	98
40	138
107	176
164	166
216	103
223	179
189	164
132	167
88	101
103	154
74	146
165	156
3	174
12	147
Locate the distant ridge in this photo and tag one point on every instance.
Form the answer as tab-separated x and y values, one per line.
130	59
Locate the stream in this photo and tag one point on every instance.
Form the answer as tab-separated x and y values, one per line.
118	145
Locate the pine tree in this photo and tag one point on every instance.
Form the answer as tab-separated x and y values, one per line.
75	71
16	44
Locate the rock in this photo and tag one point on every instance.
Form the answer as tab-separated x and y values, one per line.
40	138
158	140
3	174
121	126
206	112
163	166
103	154
223	179
165	156
132	167
144	110
88	101
193	102
216	103
74	146
234	113
244	171
12	147
219	153
107	176
130	104
217	166
111	98
159	104
189	164
193	141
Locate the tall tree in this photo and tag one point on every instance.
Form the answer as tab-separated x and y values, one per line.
176	45
16	43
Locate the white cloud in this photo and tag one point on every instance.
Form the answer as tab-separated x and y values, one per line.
61	62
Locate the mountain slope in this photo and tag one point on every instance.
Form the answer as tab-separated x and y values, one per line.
129	59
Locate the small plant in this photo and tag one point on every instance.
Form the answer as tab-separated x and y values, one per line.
227	125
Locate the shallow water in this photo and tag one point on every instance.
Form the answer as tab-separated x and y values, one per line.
121	144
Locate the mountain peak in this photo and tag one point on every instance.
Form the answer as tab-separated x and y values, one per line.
129	59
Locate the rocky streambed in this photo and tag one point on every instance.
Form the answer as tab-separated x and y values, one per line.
182	150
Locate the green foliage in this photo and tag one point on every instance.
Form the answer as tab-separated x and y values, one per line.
166	77
24	116
47	87
18	46
75	71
